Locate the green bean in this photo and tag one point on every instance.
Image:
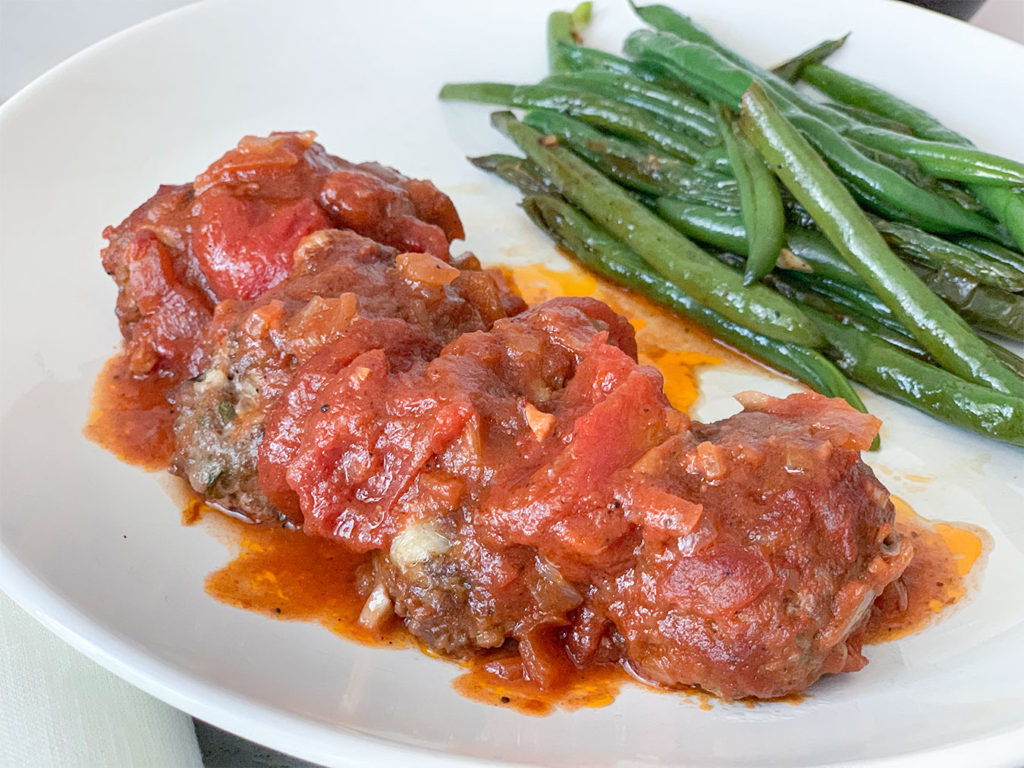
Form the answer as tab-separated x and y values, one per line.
580	18
669	252
722	229
857	307
791	69
947	161
870	118
559	31
479	92
1014	362
688	113
666	19
628	163
932	252
868	196
582	59
564	29
715	160
525	175
760	202
721	82
638	167
988	309
684	30
939	329
836	305
608	114
900	340
518	171
925	387
611	115
850	90
809	251
849	313
806	251
828	295
966	198
991	250
797	215
850	307
885	190
613	259
857	299
898	336
827	283
1007	205
983	307
912	172
943	159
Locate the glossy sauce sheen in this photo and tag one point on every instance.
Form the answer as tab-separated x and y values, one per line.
287	575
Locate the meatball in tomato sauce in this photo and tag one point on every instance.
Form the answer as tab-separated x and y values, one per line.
514	477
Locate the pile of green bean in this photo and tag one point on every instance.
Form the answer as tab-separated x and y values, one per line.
852	236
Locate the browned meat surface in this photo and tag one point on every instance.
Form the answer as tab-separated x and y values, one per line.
232	233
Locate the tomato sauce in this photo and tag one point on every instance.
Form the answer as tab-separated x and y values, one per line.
131	416
287	575
284	574
945	555
590	687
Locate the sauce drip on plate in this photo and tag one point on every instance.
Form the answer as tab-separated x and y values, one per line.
935	580
285	574
131	417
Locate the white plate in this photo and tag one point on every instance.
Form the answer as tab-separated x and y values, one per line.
94	549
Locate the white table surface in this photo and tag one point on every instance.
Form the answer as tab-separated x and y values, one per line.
35	35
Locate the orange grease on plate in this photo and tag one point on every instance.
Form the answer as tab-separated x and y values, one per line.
592	687
131	417
486	681
287	575
935	580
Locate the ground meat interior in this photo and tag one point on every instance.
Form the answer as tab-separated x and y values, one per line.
519	479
